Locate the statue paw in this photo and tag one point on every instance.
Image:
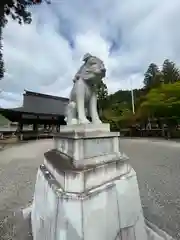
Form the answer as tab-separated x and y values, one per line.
74	121
84	121
97	121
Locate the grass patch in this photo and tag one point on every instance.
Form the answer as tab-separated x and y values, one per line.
3	120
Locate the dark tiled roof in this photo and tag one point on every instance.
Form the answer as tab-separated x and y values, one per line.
42	104
30	93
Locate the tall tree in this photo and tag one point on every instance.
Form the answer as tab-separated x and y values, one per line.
161	102
17	10
102	94
1	55
152	76
118	115
170	72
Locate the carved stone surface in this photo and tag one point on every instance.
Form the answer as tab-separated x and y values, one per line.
82	178
84	191
109	208
100	146
110	211
87	147
101	127
83	95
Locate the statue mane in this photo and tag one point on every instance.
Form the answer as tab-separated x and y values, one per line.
90	70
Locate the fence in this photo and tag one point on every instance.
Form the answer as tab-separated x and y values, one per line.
162	133
24	135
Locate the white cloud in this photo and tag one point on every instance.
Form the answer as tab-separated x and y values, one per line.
7	98
39	57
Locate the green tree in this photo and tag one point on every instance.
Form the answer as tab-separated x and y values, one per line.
152	77
119	115
161	102
17	10
170	72
152	105
120	96
102	94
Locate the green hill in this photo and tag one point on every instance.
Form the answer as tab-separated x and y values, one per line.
3	120
124	96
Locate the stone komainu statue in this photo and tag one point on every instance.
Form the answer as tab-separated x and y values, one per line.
83	95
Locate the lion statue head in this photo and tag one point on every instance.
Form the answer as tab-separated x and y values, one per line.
92	70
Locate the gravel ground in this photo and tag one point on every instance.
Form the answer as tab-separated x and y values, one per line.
157	164
18	167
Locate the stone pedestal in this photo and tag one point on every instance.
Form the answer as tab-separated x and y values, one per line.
86	189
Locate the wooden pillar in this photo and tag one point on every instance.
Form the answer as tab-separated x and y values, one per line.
20	131
1	136
58	128
53	127
35	129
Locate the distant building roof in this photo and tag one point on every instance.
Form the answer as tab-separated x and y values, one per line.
42	95
39	104
44	104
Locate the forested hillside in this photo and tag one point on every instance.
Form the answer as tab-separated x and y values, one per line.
158	99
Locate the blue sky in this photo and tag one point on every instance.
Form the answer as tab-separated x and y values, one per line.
126	34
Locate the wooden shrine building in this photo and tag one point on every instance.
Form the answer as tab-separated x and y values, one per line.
37	109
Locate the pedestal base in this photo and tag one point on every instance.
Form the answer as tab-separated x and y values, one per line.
86	190
89	127
86	148
110	211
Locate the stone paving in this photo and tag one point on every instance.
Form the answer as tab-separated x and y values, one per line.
156	162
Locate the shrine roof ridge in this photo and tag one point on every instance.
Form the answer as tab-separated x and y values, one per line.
31	93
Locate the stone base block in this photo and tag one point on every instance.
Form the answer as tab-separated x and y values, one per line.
110	211
83	178
87	148
102	127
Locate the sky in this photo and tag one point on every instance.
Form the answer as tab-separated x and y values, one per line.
126	34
